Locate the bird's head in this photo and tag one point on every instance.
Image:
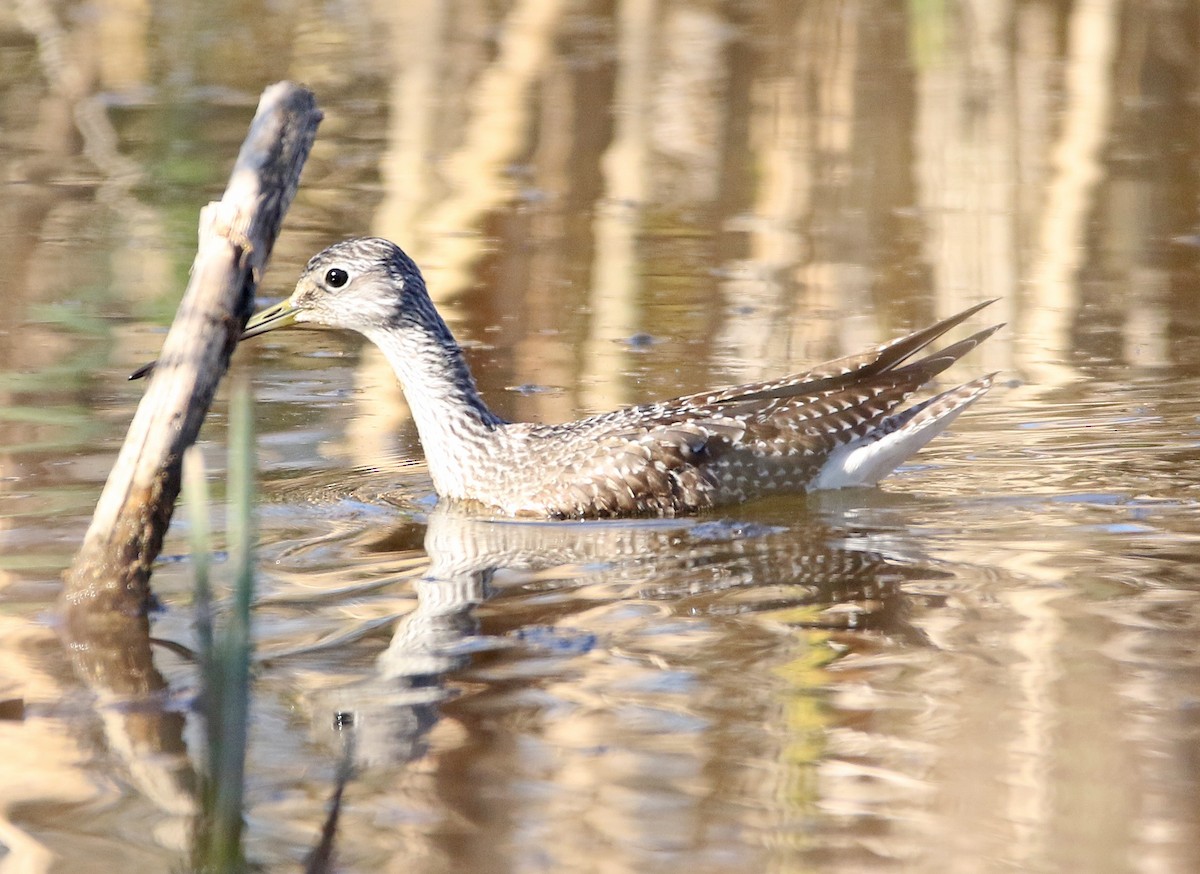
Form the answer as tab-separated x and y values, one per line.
362	285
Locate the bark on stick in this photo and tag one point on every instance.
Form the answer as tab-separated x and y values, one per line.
111	572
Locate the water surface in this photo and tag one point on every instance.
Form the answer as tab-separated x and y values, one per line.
987	664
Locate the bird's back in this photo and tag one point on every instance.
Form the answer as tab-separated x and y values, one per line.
837	425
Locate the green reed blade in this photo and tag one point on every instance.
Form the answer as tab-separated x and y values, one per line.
226	699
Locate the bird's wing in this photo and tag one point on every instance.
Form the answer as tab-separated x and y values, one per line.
666	458
651	467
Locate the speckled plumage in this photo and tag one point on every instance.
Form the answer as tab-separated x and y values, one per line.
835	425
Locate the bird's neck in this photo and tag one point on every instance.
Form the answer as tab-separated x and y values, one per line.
455	425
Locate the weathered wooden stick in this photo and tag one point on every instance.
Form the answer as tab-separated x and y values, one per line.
112	569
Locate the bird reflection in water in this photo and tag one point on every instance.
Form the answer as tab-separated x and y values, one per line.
541	576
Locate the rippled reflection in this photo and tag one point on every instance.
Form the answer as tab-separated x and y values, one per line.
556	571
628	652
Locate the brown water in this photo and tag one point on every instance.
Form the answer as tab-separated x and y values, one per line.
988	664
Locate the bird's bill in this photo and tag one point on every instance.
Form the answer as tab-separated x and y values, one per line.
282	315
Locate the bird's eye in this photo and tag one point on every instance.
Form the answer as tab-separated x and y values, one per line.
336	277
